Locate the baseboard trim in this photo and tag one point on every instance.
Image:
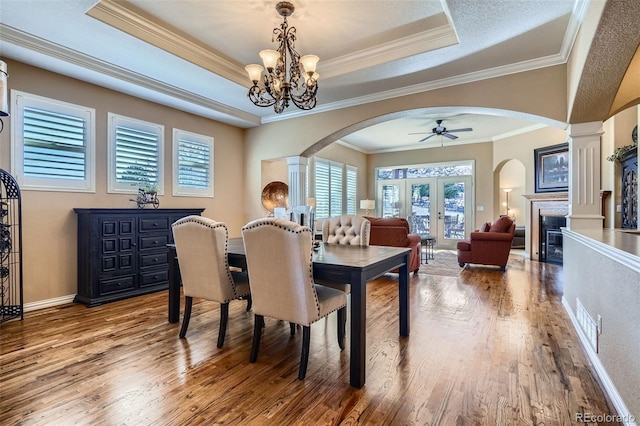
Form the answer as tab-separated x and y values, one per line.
626	418
48	303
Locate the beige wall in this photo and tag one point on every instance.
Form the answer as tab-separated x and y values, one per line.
540	93
49	224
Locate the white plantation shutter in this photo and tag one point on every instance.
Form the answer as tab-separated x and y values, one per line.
53	144
192	164
352	189
322	181
135	154
335	188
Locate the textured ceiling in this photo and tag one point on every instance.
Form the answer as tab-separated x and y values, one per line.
190	54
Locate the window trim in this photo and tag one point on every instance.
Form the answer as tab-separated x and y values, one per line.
179	191
114	120
59	184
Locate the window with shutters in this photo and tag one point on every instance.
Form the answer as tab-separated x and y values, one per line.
352	189
335	188
135	155
192	164
52	144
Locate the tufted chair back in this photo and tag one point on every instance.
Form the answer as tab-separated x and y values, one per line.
279	261
201	244
346	229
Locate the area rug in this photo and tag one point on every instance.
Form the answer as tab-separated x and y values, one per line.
445	263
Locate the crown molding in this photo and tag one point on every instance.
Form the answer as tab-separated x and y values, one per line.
428	86
139	26
425	41
31	43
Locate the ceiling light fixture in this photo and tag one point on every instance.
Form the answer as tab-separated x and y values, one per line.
279	88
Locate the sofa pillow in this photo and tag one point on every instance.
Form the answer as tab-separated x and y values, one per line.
485	227
501	225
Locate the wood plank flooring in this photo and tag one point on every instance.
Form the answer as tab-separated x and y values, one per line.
486	348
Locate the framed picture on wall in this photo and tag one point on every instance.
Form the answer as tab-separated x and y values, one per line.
552	168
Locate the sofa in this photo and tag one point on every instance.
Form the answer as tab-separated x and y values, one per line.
489	245
395	232
518	238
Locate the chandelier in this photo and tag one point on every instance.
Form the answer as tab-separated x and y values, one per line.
280	86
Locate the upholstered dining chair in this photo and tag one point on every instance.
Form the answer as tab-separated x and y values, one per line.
201	245
348	230
279	262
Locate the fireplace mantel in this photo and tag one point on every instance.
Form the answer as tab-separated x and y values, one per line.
546	204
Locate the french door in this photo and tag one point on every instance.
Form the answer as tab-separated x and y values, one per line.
439	206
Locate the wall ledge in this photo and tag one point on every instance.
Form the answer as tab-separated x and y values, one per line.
617	245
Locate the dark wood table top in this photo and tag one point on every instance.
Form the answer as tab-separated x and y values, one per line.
337	254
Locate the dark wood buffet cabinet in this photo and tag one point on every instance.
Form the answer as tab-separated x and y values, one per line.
123	252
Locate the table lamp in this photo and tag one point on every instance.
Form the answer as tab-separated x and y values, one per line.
367	205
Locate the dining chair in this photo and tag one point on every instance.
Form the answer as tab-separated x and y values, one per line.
347	230
201	245
279	262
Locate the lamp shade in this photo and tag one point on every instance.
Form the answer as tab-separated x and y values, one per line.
367	204
308	78
309	62
507	190
311	202
270	58
254	71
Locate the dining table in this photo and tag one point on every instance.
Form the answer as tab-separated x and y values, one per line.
348	264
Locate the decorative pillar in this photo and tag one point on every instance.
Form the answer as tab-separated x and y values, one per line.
297	181
584	179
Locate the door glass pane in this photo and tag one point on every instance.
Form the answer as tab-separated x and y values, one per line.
390	200
454	210
420	208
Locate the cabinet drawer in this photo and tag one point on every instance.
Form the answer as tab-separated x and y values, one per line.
152	242
154	224
154	259
154	277
114	285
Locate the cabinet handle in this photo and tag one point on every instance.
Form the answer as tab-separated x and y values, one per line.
155	223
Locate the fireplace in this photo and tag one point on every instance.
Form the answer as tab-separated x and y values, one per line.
551	238
548	211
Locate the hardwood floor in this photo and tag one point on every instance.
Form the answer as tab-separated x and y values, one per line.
487	348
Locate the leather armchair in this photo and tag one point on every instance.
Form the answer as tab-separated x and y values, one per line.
489	245
394	232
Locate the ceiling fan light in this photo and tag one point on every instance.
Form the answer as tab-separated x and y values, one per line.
309	62
269	58
255	72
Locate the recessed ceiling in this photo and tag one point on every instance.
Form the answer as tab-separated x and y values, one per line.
190	54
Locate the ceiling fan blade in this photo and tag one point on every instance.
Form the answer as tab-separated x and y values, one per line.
447	135
419	133
424	139
466	129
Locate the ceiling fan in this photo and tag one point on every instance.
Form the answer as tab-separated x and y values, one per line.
441	130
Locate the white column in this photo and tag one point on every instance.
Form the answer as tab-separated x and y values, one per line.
584	179
297	181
